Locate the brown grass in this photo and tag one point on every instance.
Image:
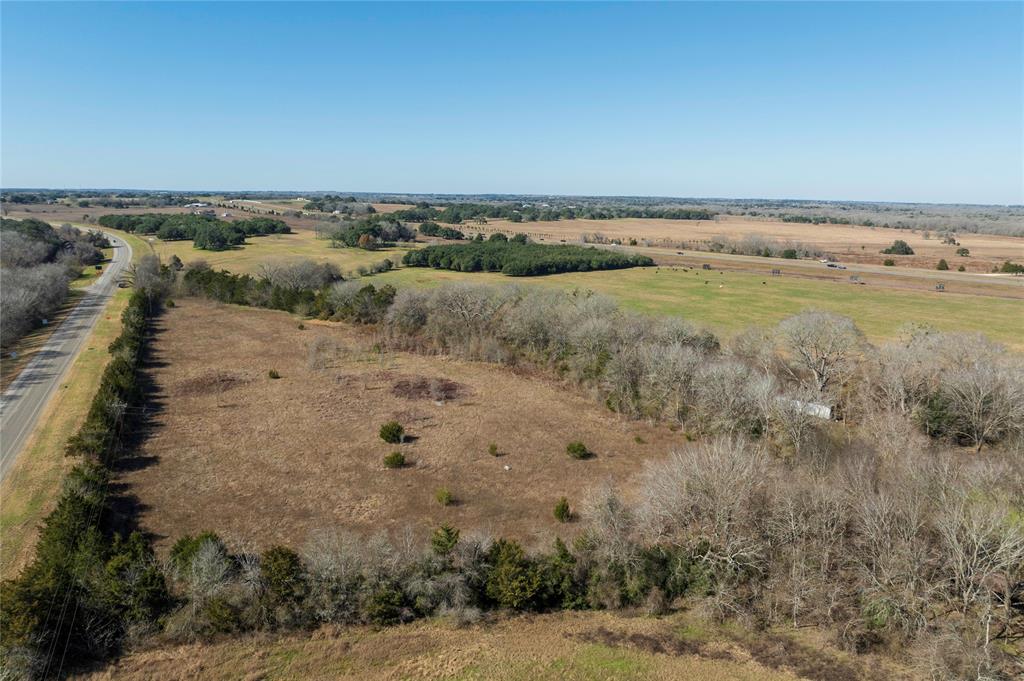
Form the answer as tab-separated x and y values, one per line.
594	646
272	460
845	241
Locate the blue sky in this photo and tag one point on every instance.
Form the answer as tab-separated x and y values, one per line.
902	102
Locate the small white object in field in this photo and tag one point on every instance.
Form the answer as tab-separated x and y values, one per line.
507	467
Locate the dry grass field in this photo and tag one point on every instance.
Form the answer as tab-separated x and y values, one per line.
272	460
571	646
848	242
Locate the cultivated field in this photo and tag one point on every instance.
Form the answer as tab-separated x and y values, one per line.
273	460
585	646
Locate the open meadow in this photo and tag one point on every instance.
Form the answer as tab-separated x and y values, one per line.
730	301
313	436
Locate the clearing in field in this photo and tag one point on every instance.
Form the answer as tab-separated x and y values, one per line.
271	460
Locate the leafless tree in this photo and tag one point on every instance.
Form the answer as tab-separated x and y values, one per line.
821	345
714	492
986	401
299	274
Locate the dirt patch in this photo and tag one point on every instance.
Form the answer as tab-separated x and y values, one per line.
209	383
664	642
267	461
437	389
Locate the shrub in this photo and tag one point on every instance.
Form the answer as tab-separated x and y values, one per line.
963	252
186	548
282	575
492	449
394	460
899	247
385	606
888	262
943	265
444	540
392	432
961	269
578	450
273	373
302	326
789	254
444	497
513	581
562	511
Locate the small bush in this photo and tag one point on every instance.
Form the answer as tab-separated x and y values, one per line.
961	269
492	449
639	440
444	497
394	460
169	303
899	247
578	450
301	326
392	432
943	265
963	252
888	262
562	511
273	373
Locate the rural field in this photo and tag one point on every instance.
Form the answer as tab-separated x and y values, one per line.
730	301
313	435
739	291
849	243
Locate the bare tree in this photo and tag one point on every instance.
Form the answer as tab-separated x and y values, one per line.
713	496
823	345
986	401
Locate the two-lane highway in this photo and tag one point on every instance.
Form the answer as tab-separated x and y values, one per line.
24	401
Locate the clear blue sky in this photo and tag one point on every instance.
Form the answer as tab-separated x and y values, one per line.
902	102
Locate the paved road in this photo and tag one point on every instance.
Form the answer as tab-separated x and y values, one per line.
25	399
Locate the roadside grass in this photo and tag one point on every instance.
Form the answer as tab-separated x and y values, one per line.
729	302
90	274
29	488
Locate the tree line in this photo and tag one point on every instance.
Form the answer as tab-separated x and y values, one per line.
459	213
91	581
37	262
434	229
206	232
518	258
